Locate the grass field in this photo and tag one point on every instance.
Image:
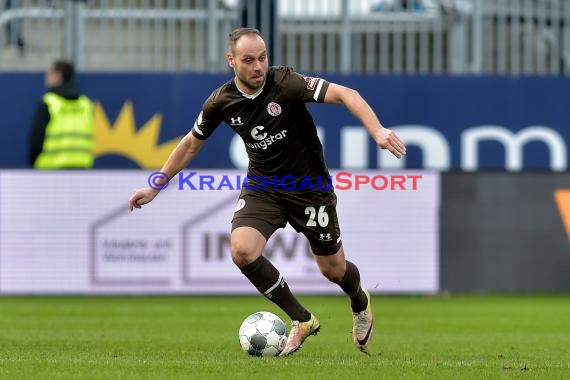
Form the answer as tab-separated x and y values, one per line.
440	337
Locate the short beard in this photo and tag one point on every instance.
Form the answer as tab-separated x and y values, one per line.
249	86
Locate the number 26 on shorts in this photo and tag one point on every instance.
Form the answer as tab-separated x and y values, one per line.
321	217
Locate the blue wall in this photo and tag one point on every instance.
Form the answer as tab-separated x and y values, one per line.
448	104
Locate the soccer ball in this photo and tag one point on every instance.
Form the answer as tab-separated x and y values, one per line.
263	334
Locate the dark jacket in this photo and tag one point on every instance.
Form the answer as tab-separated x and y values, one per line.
41	119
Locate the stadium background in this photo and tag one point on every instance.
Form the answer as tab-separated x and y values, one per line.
476	88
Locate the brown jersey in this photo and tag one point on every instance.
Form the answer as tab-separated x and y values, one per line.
279	133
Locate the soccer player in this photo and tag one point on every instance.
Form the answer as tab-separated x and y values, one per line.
266	107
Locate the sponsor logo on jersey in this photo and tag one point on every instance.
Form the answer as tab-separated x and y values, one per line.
255	133
264	139
236	121
274	109
325	237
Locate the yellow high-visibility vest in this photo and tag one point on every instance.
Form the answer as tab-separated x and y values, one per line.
69	134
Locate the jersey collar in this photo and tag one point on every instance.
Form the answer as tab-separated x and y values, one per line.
250	96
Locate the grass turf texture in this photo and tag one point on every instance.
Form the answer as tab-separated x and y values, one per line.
451	337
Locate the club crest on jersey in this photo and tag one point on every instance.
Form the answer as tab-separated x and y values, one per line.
274	109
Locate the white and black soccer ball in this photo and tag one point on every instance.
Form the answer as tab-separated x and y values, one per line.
263	334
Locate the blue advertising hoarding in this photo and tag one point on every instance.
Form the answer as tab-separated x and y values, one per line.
449	123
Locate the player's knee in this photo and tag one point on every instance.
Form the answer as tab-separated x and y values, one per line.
333	273
241	253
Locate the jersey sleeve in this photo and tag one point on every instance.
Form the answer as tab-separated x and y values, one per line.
208	120
306	88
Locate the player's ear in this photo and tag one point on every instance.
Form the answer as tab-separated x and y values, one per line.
230	59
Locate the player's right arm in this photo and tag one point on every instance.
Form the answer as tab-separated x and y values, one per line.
180	157
185	151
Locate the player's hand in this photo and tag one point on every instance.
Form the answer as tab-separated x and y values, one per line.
388	139
141	197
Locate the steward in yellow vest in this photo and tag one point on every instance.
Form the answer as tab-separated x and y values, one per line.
62	130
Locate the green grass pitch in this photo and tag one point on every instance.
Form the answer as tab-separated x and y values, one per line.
419	337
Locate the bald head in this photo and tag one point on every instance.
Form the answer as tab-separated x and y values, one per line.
237	34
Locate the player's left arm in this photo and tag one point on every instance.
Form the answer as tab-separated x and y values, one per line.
384	137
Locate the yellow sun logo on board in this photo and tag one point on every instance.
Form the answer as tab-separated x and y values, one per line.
122	138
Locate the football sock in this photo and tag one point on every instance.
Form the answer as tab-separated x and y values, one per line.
269	282
350	284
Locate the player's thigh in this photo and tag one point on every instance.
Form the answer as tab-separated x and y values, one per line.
314	215
256	217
